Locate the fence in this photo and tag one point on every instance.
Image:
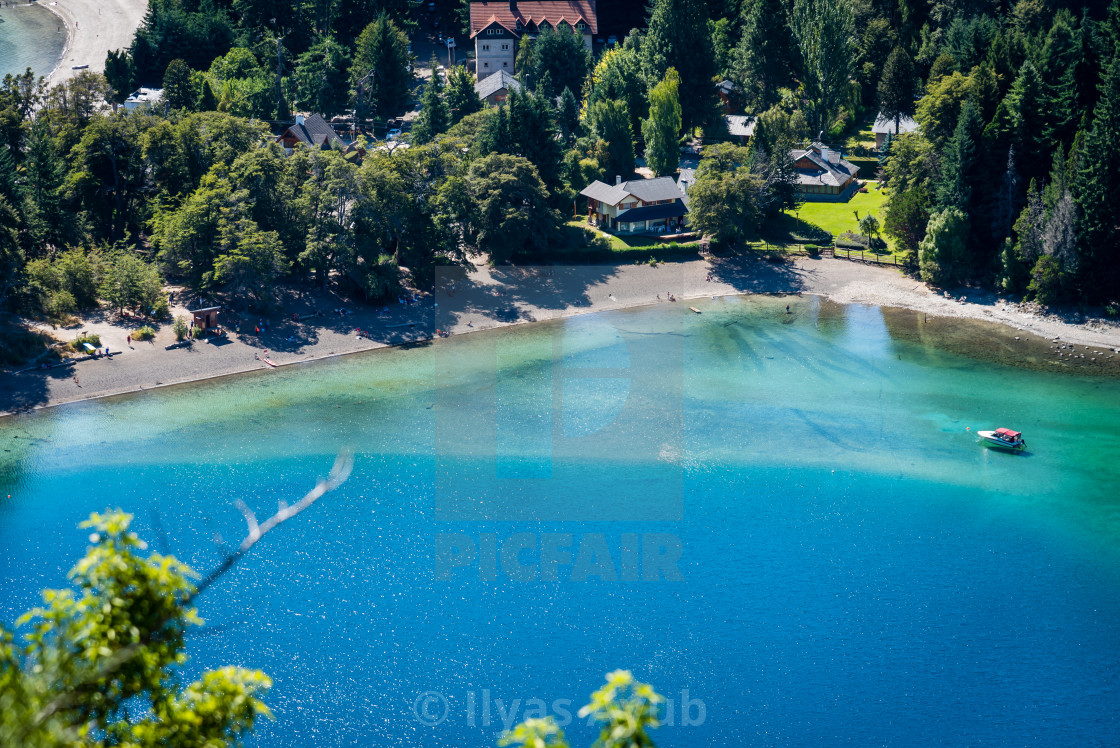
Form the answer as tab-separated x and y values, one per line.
862	255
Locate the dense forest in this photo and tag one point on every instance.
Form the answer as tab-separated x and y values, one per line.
1009	180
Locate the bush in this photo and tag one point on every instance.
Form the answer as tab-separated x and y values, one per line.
180	328
144	333
813	250
196	332
79	342
61	305
160	308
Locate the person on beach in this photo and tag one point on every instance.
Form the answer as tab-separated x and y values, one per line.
128	340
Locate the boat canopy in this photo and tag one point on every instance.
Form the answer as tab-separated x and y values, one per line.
1009	433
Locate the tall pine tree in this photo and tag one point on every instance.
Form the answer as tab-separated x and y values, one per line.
678	38
1097	189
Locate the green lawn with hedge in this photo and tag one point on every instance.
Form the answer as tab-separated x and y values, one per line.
813	219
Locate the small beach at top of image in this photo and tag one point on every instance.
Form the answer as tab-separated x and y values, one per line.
30	37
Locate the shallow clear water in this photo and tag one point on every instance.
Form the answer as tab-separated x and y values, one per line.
30	37
854	569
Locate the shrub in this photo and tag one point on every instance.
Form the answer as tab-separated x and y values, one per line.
1112	309
61	304
160	308
179	327
652	262
813	250
196	332
144	333
78	343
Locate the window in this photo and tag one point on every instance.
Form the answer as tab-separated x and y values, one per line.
485	64
505	47
492	31
581	25
519	26
505	64
485	47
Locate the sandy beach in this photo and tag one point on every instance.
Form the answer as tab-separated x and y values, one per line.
93	28
486	298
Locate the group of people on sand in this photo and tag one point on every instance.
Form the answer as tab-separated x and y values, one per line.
668	296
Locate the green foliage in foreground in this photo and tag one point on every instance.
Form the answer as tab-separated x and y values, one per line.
96	665
89	657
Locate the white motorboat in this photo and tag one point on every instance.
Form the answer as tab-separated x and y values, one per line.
1002	439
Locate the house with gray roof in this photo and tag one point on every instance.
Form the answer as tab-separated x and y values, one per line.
494	89
823	175
740	127
144	98
884	127
637	206
312	131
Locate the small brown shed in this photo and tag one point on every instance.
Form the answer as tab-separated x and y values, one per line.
206	318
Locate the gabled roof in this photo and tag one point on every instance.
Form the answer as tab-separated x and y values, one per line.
532	13
686	179
820	164
884	126
740	125
646	190
313	131
495	82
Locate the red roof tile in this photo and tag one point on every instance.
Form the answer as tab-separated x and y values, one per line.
507	14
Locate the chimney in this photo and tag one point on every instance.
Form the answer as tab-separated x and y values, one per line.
299	119
617	179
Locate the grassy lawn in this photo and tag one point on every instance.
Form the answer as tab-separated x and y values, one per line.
619	243
834	218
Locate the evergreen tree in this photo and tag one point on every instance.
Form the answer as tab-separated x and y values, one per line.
555	60
321	78
896	87
826	40
380	72
207	101
178	87
568	114
662	129
1097	188
610	123
958	168
119	73
1058	69
462	99
1027	104
434	117
678	38
765	56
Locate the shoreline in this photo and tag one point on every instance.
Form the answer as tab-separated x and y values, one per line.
489	298
93	29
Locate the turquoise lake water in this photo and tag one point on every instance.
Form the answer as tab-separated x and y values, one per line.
779	520
30	37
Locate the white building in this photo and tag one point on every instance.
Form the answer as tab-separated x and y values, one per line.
143	97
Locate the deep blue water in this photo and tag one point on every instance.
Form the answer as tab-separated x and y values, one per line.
854	569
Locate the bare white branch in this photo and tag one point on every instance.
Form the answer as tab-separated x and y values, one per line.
343	464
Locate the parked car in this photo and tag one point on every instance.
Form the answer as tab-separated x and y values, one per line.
393	134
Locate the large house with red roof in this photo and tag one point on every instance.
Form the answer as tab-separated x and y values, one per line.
496	27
